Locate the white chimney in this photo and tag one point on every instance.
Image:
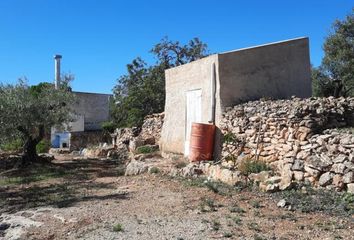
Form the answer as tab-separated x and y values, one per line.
57	70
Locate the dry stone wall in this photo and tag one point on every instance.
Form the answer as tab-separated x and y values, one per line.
151	127
301	139
148	134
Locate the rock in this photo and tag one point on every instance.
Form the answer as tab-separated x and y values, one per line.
350	188
46	156
120	153
341	158
217	173
259	177
338	168
313	172
299	176
286	184
282	203
136	168
191	170
325	179
135	143
274	179
4	226
269	187
149	141
338	181
348	177
298	165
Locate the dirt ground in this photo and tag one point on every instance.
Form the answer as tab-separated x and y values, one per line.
91	199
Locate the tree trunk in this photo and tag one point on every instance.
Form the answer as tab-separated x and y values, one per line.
29	151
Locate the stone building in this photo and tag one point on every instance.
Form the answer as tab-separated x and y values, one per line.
91	110
201	90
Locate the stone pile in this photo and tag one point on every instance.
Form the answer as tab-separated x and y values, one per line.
296	138
151	128
148	134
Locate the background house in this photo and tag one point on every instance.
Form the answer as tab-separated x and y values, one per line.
91	110
200	91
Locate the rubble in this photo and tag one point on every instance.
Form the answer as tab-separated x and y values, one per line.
148	134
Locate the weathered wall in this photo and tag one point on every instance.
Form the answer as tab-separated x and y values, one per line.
179	80
291	136
94	107
277	70
80	140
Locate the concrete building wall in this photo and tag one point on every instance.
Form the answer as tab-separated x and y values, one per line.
78	125
179	80
277	70
93	108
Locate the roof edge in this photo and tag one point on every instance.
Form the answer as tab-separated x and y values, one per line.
265	45
92	93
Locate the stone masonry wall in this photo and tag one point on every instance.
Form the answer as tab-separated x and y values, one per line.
296	138
148	134
152	127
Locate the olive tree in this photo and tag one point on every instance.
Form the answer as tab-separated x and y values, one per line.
141	91
29	112
335	76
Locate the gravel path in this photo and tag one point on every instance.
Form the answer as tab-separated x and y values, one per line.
152	206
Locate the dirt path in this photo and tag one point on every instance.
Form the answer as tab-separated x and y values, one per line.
91	201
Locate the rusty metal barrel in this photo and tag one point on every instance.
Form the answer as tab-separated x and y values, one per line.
201	142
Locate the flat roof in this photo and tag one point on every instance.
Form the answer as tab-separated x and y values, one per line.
266	44
92	93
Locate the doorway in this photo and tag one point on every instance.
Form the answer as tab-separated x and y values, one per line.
193	114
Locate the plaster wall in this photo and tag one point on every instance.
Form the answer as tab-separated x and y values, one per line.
179	80
93	108
278	71
78	125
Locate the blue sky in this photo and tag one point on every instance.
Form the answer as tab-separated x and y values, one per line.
98	38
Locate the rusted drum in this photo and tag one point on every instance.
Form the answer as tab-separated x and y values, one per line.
201	142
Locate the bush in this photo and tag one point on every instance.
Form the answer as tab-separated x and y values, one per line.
12	146
154	170
43	146
249	166
108	127
145	149
118	228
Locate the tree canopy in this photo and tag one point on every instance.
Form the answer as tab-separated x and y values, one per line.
335	76
29	112
141	91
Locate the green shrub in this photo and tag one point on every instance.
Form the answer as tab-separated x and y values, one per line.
145	149
208	205
227	234
118	228
12	146
43	146
181	164
237	220
229	138
108	127
215	225
249	166
154	170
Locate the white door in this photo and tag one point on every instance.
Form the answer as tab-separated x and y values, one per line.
193	114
